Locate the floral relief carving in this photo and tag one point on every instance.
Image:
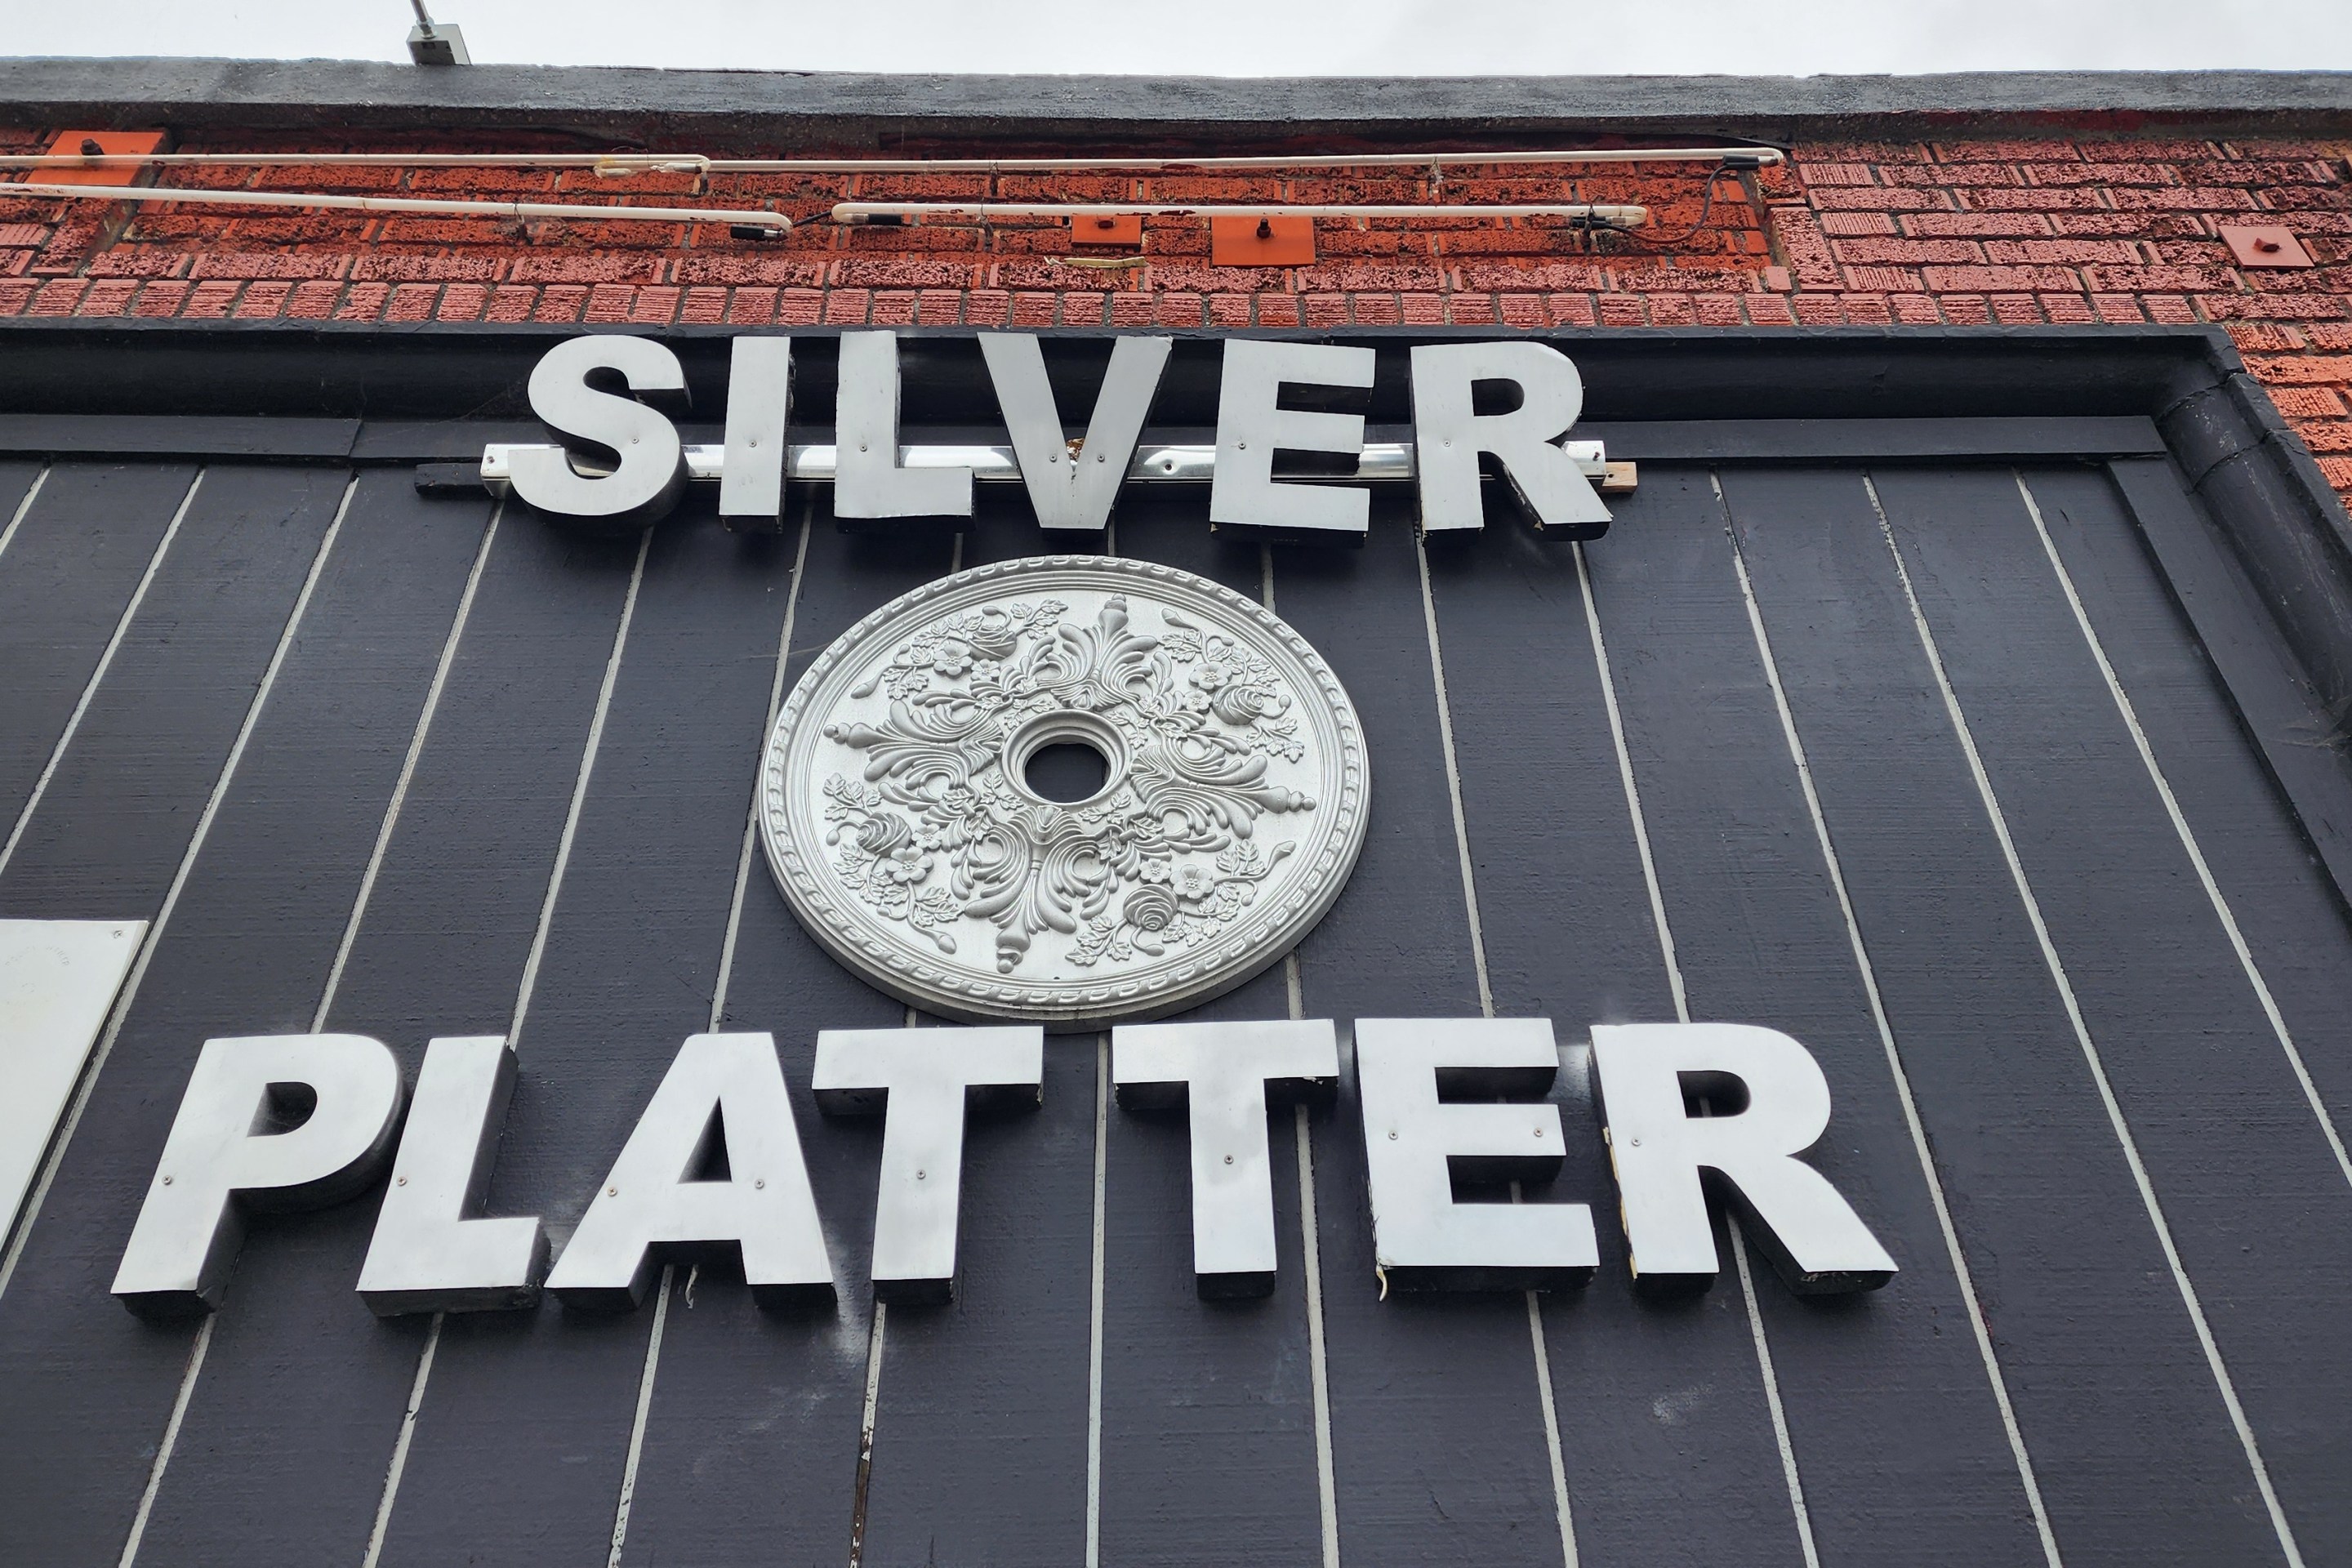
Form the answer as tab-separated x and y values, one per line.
931	831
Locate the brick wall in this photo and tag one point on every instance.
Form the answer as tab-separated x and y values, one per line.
2061	230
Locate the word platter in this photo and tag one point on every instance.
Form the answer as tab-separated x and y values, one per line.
1456	1124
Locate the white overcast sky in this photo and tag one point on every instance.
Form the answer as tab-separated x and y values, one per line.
1240	37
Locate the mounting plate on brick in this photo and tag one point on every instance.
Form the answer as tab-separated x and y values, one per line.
1118	229
2264	245
92	144
1248	241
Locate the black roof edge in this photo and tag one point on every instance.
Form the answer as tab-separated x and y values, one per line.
779	111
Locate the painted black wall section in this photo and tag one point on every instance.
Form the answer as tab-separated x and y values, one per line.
980	1437
751	1438
2129	1439
90	1390
1208	1412
1437	1432
293	1395
627	974
67	571
2210	1095
1666	1439
1891	1412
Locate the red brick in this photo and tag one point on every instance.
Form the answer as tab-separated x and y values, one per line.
410	301
2334	337
574	267
1769	309
986	308
2304	370
2272	307
58	297
2196	199
22	234
2326	435
292	265
1834	173
2170	309
1473	310
108	297
1032	309
1884	280
161	298
938	307
511	302
462	303
2061	252
1526	311
1717	310
2038	198
1326	310
139	261
1914	309
1880	200
847	307
1954	279
2015	309
1570	309
2118	309
2067	309
1370	310
1906	252
1228	309
2103	175
1819	309
2307	402
15	296
800	307
1083	309
1622	311
263	300
2264	338
402	266
797	271
1965	309
561	302
893	307
1839	226
315	300
2167	280
2338	471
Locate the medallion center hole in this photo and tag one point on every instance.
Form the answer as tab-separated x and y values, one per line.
1066	771
1068	758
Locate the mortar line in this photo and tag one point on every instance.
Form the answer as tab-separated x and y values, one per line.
398	1468
1946	1227
1555	1457
2091	1054
1789	1472
2179	820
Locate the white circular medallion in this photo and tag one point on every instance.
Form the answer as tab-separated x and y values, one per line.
907	822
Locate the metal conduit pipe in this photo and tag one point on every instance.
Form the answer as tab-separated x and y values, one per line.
1598	215
744	217
622	164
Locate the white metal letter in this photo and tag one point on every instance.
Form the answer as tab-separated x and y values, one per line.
1640	1072
867	481
1414	1144
268	1122
1073	490
58	981
758	410
1251	427
652	468
921	1081
433	1252
723	1093
1221	1072
1449	437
